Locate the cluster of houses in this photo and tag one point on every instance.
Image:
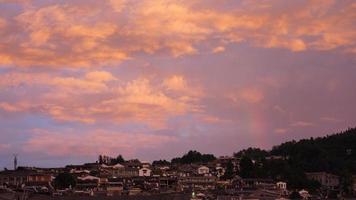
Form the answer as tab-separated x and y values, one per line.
134	177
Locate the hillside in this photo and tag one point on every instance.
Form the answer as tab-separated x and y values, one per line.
333	153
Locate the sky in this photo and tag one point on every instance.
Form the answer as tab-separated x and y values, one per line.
153	79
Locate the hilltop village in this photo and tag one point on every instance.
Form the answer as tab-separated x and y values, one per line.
206	180
307	169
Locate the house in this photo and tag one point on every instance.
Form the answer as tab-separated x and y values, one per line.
223	161
88	182
198	182
327	180
126	172
203	170
114	186
118	166
133	164
156	172
88	178
24	177
186	170
304	194
281	185
145	164
87	166
219	171
253	183
167	183
144	172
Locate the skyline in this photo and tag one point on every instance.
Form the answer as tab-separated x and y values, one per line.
155	79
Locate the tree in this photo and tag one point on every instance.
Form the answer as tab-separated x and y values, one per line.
295	195
247	168
118	159
229	172
160	162
65	180
253	153
101	160
194	157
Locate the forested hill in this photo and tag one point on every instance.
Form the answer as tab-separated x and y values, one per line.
334	153
291	160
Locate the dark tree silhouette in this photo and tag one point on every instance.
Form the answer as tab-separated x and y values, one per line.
65	180
194	157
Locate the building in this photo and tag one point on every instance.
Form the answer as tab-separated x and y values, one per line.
254	183
126	172
281	185
199	182
223	161
202	170
114	186
133	164
118	166
327	180
144	172
24	177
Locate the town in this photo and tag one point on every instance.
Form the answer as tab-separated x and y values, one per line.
133	177
192	176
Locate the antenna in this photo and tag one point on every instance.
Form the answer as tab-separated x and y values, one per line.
15	161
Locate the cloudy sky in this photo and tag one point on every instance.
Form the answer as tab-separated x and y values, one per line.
153	79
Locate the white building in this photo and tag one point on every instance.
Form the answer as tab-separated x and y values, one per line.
118	166
85	178
144	172
220	171
203	170
282	185
304	194
145	164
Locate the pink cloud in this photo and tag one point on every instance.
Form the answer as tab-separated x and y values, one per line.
92	143
117	101
302	124
247	94
4	147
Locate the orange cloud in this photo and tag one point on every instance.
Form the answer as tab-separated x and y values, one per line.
18	107
219	49
118	5
82	34
99	96
175	82
94	81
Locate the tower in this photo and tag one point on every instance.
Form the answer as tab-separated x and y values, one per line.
15	161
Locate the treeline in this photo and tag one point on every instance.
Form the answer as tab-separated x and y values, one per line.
193	157
335	153
291	160
103	159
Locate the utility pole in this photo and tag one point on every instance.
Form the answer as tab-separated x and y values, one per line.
15	161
